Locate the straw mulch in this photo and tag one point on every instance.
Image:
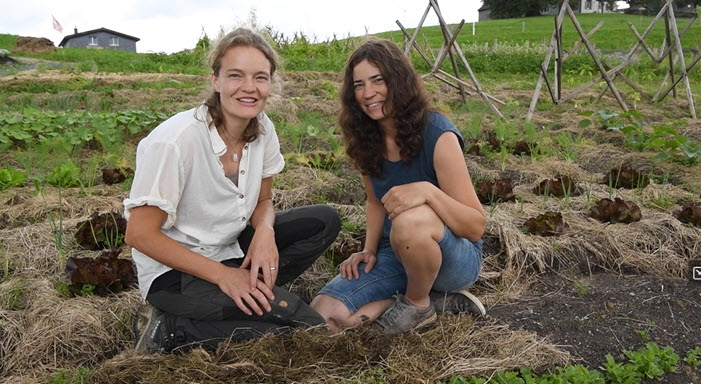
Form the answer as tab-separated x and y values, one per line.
43	331
455	345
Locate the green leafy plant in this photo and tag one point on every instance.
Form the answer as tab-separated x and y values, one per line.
69	130
11	178
652	362
318	159
65	175
567	145
618	373
81	375
582	288
580	374
473	129
5	263
663	139
692	358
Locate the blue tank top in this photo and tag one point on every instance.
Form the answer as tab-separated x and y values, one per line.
420	168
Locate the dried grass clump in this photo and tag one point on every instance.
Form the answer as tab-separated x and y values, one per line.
454	346
10	333
658	244
28	207
58	332
285	110
32	250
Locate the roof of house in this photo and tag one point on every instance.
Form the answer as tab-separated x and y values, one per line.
484	7
65	39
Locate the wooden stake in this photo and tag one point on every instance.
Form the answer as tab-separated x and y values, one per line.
558	55
680	53
441	20
668	39
578	27
545	64
578	44
408	46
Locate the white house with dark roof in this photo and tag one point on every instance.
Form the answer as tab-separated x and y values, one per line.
100	38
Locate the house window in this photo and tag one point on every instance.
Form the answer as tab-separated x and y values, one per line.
608	6
114	41
587	4
93	40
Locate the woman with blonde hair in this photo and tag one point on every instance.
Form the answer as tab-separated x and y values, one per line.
210	251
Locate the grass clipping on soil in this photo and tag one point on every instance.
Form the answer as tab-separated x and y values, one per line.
454	345
57	332
658	244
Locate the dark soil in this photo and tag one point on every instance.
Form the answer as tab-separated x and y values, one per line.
605	313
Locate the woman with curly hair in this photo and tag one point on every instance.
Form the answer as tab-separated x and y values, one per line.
424	220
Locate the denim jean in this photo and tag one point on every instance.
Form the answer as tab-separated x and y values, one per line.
460	266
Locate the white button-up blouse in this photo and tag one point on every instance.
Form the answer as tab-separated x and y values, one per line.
178	170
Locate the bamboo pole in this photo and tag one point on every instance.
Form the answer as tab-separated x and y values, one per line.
680	54
665	51
558	54
451	42
578	44
578	27
547	83
441	20
630	54
543	75
411	41
418	48
690	67
668	39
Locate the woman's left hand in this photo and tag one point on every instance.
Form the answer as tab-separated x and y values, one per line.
402	197
262	257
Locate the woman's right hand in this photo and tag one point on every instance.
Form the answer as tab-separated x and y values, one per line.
349	266
236	283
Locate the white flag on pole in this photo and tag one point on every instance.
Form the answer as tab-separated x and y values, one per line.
57	25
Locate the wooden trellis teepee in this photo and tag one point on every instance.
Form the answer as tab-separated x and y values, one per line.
610	73
449	49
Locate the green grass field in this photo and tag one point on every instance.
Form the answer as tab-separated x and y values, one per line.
615	34
519	47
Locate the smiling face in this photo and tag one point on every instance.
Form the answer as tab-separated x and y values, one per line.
243	83
370	90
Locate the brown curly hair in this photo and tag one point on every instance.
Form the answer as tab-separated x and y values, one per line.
406	103
240	37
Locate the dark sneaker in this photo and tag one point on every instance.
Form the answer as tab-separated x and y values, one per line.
460	301
401	317
151	331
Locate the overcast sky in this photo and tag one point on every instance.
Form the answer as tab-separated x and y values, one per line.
173	25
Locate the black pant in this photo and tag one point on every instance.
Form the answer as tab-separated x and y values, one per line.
205	315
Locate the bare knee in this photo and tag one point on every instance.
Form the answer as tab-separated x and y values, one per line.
416	225
335	313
